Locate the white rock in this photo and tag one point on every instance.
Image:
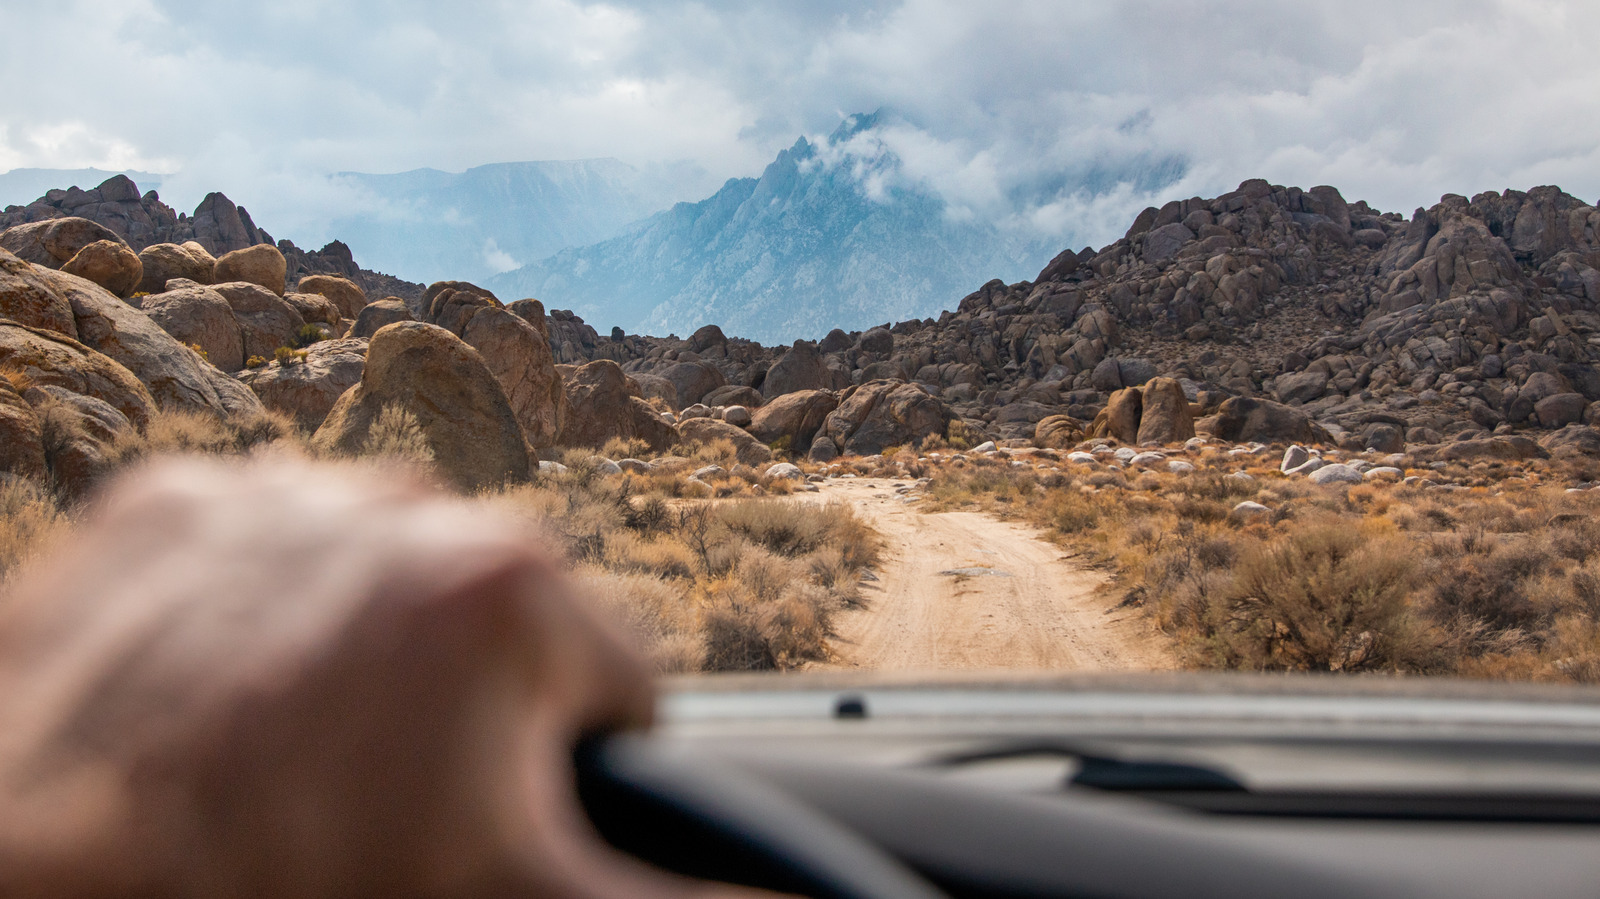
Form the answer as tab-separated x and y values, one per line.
710	471
1383	473
1081	458
1249	511
736	415
1336	474
698	410
787	471
1244	476
1147	459
985	447
1194	443
606	466
637	466
552	468
1124	453
1294	457
1178	466
1307	467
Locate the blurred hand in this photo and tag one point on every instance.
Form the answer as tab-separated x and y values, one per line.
286	680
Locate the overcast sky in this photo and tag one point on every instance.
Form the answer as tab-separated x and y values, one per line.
1393	101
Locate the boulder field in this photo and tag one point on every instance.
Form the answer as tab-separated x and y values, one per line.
1267	314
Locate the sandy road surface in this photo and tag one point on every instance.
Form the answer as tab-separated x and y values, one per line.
1020	604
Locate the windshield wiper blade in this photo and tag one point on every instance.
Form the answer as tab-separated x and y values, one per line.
1102	770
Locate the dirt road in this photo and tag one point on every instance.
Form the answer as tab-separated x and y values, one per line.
962	590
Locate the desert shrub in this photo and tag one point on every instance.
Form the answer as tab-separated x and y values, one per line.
396	434
663	558
172	432
720	451
961	435
29	517
1324	597
288	355
306	336
1488	582
788	528
653	611
625	448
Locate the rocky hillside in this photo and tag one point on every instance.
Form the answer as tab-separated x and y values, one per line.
1265	315
1472	318
804	248
217	225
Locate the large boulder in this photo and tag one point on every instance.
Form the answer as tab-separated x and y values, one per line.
600	407
748	449
652	387
1165	417
380	314
200	317
449	304
1058	432
1120	417
176	375
706	337
520	360
266	321
692	381
27	297
459	406
21	446
346	296
108	263
44	357
160	263
801	368
733	395
1244	419
1560	410
797	416
885	413
517	354
313	307
53	242
877	340
261	264
1300	387
309	388
79	441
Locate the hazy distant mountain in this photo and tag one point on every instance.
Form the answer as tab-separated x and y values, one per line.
20	187
822	239
426	225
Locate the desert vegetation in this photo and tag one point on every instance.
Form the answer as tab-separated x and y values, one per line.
1488	569
724	573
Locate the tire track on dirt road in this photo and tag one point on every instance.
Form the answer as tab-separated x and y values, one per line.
1017	605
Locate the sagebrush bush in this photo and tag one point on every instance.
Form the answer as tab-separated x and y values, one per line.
1323	597
397	435
1496	580
743	584
29	518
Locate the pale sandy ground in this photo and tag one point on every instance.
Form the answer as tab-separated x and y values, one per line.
1048	615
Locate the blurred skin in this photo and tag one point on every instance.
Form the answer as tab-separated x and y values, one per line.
281	680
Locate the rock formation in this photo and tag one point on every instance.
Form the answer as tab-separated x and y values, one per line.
463	413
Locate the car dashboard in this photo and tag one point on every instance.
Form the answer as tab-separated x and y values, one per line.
1156	785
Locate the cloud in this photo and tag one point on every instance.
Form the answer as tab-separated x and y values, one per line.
1063	118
